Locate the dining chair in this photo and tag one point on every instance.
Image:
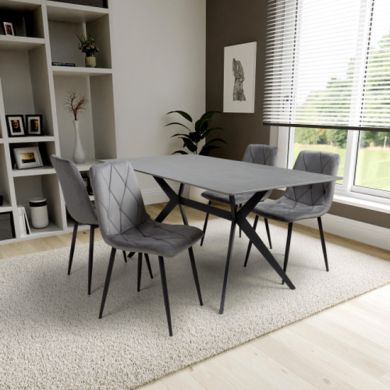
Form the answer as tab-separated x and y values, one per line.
304	202
80	208
126	226
254	153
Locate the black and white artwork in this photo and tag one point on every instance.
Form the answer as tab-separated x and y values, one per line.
240	78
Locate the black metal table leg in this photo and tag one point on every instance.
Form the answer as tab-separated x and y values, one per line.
229	254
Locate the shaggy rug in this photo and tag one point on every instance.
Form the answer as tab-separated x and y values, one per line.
51	337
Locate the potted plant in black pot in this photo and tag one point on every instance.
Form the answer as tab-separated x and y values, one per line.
196	137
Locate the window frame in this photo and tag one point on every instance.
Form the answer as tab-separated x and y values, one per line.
283	138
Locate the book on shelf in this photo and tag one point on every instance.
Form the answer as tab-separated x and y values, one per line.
24	223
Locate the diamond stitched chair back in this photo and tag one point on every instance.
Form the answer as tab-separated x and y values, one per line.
79	207
125	225
304	202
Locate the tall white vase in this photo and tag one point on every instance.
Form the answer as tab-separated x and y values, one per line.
78	151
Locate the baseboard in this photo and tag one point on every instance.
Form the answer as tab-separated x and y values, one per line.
354	230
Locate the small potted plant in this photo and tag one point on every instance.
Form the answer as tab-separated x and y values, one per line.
88	46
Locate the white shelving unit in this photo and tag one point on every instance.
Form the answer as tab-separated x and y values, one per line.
29	84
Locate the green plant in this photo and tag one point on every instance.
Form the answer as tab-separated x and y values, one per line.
195	133
87	45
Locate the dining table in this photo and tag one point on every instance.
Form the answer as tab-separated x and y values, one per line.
231	178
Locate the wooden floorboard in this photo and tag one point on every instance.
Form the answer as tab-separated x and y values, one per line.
345	347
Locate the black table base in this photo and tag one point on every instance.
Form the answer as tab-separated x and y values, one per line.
237	216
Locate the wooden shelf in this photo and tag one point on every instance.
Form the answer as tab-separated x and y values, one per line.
10	42
51	228
5	208
74	13
22	140
33	172
79	71
1	141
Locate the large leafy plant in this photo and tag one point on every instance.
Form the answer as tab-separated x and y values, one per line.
195	133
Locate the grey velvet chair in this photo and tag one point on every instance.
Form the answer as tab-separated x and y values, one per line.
304	202
126	226
254	153
80	209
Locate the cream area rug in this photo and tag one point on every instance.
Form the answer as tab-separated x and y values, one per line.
51	337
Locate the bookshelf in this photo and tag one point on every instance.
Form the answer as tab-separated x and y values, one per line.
31	84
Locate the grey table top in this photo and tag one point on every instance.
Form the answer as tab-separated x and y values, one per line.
225	176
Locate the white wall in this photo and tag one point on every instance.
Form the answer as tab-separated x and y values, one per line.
158	50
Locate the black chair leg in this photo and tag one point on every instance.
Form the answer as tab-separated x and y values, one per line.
287	251
72	246
124	256
239	229
139	271
149	265
195	274
206	220
268	232
165	293
323	243
90	260
248	251
130	255
107	282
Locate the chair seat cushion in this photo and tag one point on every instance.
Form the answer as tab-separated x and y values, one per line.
223	198
156	238
288	210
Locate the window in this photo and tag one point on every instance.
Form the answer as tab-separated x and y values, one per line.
328	80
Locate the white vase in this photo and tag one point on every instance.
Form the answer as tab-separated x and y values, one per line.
78	151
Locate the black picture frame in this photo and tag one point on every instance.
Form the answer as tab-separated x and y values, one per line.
13	130
8	28
34	125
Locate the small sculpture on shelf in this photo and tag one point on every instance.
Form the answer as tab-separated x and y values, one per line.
75	104
88	46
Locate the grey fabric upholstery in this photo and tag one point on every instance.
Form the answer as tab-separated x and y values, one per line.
257	154
123	220
304	202
75	193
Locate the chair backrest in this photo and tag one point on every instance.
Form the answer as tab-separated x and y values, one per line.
315	194
75	192
260	154
118	199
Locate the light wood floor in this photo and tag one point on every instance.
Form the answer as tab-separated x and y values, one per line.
345	347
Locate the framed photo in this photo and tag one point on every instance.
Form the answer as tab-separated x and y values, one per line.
8	28
34	124
15	125
239	78
28	157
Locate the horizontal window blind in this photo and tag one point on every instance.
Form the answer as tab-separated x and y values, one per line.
328	64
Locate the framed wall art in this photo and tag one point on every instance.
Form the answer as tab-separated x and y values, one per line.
239	78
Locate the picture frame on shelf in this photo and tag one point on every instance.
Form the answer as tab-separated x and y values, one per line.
8	28
15	125
28	157
34	125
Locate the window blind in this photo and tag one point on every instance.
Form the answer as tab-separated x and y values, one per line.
328	64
